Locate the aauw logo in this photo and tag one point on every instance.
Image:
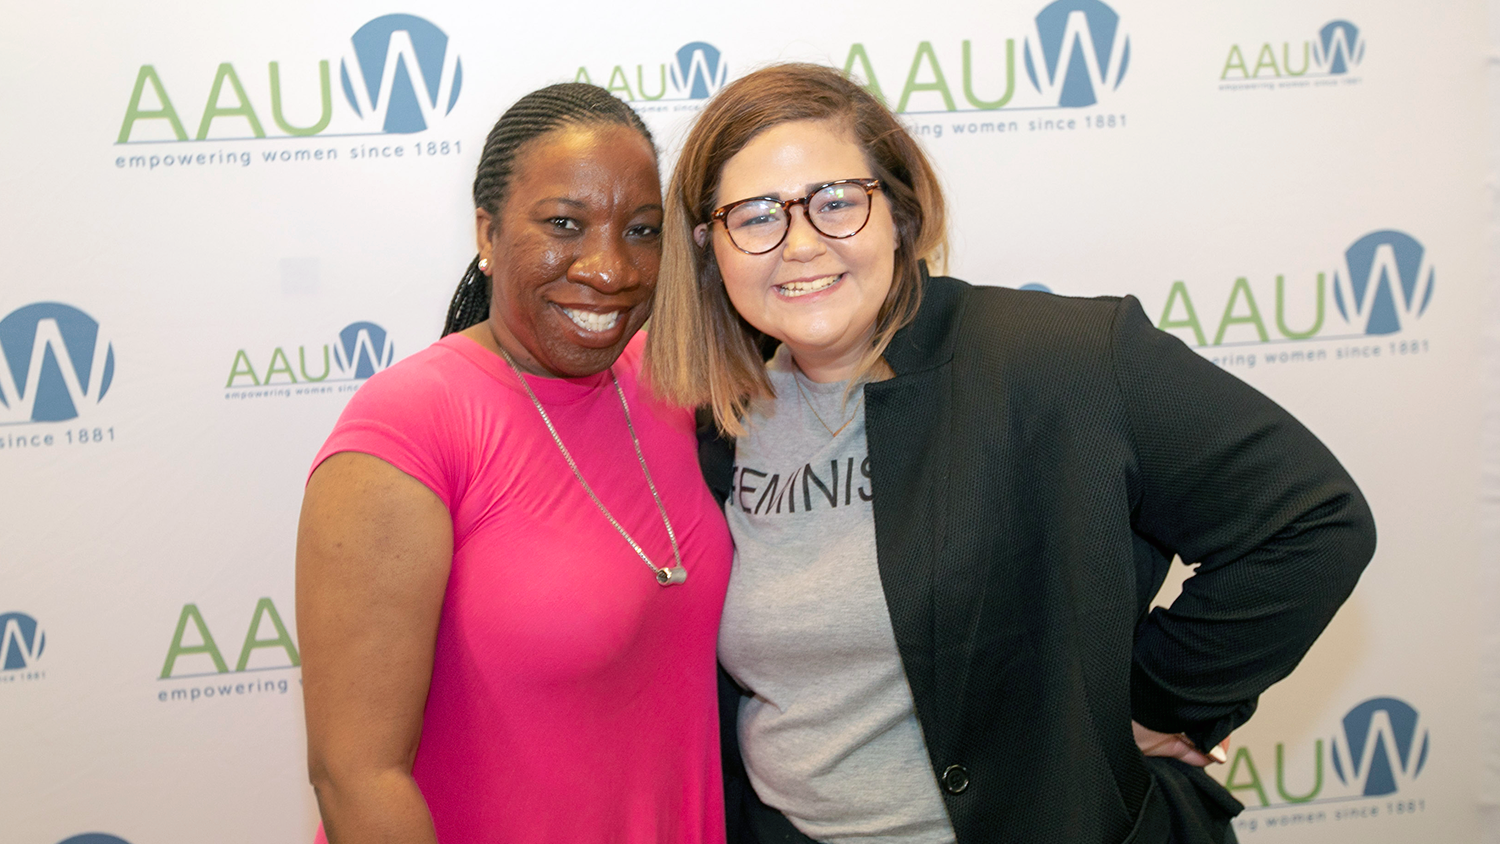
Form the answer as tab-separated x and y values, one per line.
1078	53
403	76
360	350
696	72
399	74
95	838
1336	51
21	641
1386	282
54	364
1383	747
1379	748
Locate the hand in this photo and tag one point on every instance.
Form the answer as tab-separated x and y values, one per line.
1177	746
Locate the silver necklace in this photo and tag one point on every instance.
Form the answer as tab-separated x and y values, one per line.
664	576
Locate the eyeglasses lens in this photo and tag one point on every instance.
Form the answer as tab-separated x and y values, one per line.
756	226
839	210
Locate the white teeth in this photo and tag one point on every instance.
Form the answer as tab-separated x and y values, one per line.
590	321
802	288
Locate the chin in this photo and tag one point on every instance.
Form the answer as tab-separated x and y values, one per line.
578	362
581	368
817	341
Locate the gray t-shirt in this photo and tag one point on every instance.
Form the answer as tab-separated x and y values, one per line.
830	736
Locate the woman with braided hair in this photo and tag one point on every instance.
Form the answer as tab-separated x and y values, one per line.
509	570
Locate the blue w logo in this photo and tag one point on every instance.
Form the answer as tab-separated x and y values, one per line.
1077	52
1383	746
699	71
1338	47
1387	283
364	349
21	641
52	364
403	77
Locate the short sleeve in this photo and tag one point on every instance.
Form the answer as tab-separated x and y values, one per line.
406	417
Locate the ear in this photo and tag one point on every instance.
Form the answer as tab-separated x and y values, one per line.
700	234
483	224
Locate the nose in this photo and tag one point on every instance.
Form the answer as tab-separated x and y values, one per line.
603	264
803	243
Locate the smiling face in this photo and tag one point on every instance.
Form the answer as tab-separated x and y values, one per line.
574	254
819	295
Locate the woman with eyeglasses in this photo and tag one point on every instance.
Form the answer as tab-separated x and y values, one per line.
952	506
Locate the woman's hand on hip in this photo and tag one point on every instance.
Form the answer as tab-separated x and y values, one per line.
1177	746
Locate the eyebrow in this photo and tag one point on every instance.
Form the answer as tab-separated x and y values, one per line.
806	189
574	203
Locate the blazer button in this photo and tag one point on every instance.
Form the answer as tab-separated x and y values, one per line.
955	779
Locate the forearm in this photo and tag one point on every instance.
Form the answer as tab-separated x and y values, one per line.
379	807
1243	624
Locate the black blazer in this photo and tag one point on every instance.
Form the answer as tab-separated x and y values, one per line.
1036	462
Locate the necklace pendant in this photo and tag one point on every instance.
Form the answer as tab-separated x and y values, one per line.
664	576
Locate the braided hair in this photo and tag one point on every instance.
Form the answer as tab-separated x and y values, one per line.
534	115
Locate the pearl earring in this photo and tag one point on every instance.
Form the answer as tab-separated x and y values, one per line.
484	265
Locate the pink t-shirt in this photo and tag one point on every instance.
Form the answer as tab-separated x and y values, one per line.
572	698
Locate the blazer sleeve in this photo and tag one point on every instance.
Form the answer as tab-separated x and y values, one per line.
1227	478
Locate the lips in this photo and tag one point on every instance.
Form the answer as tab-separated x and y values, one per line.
793	289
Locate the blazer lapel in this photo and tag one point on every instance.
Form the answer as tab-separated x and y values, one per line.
907	476
907	423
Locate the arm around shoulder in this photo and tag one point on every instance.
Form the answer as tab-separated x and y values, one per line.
374	547
1229	479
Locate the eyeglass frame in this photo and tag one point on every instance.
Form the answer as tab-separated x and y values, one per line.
870	185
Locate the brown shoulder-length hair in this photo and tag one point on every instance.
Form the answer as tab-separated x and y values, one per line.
699	350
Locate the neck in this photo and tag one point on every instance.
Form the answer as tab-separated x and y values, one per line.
821	370
842	372
825	368
823	374
494	336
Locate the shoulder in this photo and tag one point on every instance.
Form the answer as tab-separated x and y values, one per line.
1030	315
419	415
1034	330
424	379
432	399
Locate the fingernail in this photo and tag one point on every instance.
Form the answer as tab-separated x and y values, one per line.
1218	754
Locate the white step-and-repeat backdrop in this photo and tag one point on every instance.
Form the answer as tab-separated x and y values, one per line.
218	221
